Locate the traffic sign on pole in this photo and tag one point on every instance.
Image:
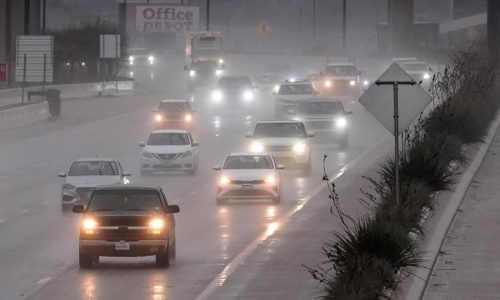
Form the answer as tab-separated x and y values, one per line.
34	58
110	46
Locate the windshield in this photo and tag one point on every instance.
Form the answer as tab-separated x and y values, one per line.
93	168
207	46
234	83
174	108
168	138
318	108
125	200
248	162
295	130
413	67
138	51
341	70
295	89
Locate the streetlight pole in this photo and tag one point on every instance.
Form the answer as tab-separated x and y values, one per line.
344	15
314	20
208	15
395	86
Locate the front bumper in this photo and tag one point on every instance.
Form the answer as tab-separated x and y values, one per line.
248	191
289	155
177	124
179	164
137	248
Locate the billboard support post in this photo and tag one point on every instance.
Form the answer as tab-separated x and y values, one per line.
24	78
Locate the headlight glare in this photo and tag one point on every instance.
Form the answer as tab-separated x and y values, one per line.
224	180
256	147
188	118
247	95
427	76
219	72
156	224
299	148
89	225
217	95
328	83
192	73
352	83
341	123
158	118
271	180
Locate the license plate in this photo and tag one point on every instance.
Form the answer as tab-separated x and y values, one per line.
122	246
247	187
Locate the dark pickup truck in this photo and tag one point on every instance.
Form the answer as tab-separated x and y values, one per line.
127	221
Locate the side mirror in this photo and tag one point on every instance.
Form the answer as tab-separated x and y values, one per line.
195	144
310	134
142	144
62	174
216	168
126	173
249	135
281	167
172	209
78	209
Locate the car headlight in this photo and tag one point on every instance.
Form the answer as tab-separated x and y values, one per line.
276	88
256	147
271	180
217	95
328	83
156	225
221	61
151	59
147	154
192	73
247	95
299	148
188	118
158	118
68	186
224	181
187	154
341	123
131	58
366	82
427	76
89	225
219	72
352	83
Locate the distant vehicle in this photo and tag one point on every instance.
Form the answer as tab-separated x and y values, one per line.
233	91
419	71
174	114
285	140
290	94
249	176
140	57
85	175
272	75
324	117
169	150
127	221
339	80
204	56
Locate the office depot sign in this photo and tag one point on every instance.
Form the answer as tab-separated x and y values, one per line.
156	18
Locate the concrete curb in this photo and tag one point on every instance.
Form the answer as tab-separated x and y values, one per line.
24	115
418	287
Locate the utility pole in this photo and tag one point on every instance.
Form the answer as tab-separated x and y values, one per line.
314	20
493	29
344	15
208	16
44	19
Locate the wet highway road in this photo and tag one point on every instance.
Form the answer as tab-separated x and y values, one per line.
39	247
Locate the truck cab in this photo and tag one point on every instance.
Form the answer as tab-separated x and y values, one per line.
340	80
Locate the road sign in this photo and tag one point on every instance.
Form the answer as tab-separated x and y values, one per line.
110	45
34	58
264	28
379	99
3	72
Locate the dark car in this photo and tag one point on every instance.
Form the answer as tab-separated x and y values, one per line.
127	221
174	114
234	89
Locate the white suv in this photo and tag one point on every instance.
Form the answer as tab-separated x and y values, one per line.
291	94
169	150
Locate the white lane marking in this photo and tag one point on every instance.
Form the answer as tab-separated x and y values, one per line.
273	227
43	280
24	211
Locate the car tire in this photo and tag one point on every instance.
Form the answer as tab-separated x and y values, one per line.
163	259
220	201
85	260
173	250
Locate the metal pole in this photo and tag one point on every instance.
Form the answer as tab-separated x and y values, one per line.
344	15
44	70
314	20
44	22
208	15
493	29
24	78
396	139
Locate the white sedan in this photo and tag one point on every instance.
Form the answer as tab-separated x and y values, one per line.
249	176
85	175
169	150
284	140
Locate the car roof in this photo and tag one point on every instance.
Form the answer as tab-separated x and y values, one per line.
235	77
169	131
335	64
279	121
296	82
127	187
95	159
248	154
174	101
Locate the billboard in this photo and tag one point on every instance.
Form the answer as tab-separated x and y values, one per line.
34	58
159	18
